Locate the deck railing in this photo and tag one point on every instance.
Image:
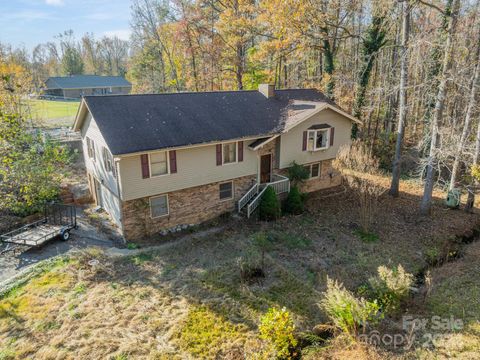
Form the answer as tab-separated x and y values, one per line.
254	204
247	197
279	183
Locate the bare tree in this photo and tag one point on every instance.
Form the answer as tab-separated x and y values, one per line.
426	203
402	110
474	82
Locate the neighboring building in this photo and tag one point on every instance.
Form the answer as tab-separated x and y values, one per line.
76	86
155	162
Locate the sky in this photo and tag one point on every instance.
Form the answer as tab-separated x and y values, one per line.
30	22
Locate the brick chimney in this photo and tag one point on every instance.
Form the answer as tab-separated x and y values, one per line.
267	90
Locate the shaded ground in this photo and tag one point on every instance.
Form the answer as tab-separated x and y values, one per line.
186	300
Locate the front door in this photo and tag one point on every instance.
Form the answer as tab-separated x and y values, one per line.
265	168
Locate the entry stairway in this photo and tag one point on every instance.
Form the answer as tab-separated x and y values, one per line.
250	201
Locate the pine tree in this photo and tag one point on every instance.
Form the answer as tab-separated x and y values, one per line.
294	203
269	205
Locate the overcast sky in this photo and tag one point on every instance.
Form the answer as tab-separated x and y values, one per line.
29	22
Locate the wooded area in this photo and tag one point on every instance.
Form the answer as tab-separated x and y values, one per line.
408	69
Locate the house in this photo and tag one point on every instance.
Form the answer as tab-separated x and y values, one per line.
160	161
76	86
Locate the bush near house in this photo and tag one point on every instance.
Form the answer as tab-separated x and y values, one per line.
294	202
269	205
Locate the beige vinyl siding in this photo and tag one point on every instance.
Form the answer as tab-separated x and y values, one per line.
111	203
292	141
97	167
195	166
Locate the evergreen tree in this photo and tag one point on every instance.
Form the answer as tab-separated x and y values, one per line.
294	203
269	205
72	63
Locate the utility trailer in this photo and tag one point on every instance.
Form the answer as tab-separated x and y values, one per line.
58	221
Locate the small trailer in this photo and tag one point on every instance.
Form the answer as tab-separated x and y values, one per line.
58	221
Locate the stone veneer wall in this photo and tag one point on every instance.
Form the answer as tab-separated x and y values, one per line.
186	207
329	177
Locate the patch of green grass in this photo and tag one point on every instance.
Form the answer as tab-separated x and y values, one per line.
7	354
204	333
367	237
80	289
53	113
48	325
431	255
289	240
457	295
142	258
132	246
41	269
121	356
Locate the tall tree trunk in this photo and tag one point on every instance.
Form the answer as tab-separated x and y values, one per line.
437	118
467	121
329	66
402	111
476	161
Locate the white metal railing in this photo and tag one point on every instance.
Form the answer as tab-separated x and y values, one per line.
254	204
281	184
247	197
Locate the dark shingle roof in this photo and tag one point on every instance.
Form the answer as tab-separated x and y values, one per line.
136	123
85	81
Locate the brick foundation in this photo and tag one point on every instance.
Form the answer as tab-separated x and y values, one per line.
329	177
189	206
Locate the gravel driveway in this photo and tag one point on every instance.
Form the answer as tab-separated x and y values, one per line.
86	235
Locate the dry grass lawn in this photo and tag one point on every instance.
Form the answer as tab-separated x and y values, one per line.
187	301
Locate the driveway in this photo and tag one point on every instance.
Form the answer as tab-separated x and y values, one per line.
85	236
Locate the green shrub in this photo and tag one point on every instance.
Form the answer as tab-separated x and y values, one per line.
347	312
289	239
391	286
294	202
366	236
277	326
298	173
269	205
132	246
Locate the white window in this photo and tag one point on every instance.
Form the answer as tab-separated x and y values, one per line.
158	163
315	170
226	191
91	148
229	153
318	139
159	206
108	160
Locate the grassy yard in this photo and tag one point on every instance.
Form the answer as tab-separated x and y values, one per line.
187	300
52	113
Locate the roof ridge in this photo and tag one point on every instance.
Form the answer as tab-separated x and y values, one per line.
198	92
